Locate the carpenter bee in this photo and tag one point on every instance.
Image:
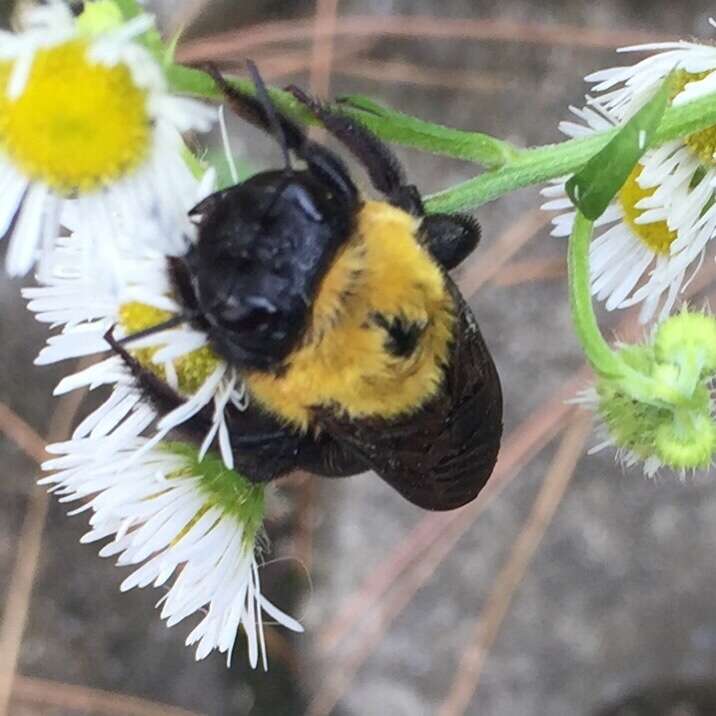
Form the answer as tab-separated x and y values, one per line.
357	350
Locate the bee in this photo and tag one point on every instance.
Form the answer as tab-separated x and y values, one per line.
357	350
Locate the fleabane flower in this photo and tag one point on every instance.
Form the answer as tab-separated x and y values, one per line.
669	204
632	258
86	118
87	307
659	411
189	526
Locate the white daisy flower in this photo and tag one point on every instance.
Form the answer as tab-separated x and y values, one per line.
669	203
181	521
631	256
86	117
78	297
88	308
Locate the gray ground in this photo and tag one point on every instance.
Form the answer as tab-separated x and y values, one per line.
620	593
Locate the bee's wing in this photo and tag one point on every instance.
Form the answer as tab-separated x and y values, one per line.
441	456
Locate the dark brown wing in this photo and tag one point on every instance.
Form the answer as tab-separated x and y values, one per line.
440	457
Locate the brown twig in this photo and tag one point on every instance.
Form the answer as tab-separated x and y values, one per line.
528	271
275	66
322	46
17	431
558	477
425	76
488	264
232	43
22	579
71	697
186	16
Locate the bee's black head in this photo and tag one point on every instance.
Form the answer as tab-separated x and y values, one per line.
263	248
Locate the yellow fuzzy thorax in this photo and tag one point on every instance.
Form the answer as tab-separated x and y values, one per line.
343	361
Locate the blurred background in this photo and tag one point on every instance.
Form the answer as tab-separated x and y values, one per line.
571	587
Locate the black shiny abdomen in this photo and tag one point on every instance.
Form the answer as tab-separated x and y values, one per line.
262	250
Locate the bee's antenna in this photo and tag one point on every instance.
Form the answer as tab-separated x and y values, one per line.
268	106
172	322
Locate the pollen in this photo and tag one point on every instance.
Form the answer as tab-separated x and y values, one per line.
77	125
656	235
192	369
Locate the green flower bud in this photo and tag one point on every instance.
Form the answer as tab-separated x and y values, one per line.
688	337
674	428
687	444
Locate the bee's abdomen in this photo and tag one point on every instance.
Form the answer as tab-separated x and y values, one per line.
441	456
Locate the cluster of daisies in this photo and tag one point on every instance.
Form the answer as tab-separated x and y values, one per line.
96	184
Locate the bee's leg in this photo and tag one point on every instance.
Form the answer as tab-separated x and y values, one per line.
263	449
158	392
262	114
450	238
384	169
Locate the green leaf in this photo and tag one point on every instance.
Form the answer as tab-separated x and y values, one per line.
604	174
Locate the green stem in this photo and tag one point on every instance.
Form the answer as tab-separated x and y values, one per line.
540	164
387	123
516	168
601	357
534	166
401	128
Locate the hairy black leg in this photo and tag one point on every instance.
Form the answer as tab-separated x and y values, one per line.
450	238
264	450
385	172
160	393
320	161
247	434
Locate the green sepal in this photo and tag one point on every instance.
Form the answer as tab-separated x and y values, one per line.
224	488
129	8
151	39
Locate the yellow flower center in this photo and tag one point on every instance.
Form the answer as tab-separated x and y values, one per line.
192	369
656	235
703	143
77	125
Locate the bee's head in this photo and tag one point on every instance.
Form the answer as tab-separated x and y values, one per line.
263	248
